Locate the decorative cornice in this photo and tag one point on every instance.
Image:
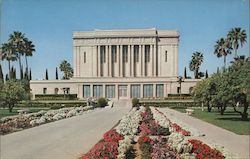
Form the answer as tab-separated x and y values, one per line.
125	33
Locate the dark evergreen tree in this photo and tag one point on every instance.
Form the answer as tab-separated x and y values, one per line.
206	74
56	74
26	74
21	73
1	74
218	70
30	75
46	75
6	77
14	73
11	75
185	72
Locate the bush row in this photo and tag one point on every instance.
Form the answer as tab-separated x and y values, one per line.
55	96
168	104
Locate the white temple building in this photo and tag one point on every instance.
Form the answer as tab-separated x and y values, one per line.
121	64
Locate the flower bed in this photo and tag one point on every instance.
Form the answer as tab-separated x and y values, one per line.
202	150
106	148
20	122
146	131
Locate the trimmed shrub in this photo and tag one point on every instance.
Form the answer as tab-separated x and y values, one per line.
56	96
135	102
101	102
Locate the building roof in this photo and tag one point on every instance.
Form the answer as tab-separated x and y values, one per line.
152	32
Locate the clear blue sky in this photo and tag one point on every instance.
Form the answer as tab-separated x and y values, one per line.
50	24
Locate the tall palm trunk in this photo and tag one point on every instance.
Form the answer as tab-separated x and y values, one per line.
20	65
26	62
9	67
225	61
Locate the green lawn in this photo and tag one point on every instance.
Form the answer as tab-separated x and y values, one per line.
230	120
5	111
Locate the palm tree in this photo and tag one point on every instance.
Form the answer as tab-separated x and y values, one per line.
237	36
222	48
194	65
8	53
28	50
66	69
17	41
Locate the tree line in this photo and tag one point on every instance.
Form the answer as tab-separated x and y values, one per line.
229	86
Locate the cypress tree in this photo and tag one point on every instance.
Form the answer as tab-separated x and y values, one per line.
6	77
56	74
26	74
21	73
11	75
1	74
14	73
46	75
185	72
30	75
206	74
218	70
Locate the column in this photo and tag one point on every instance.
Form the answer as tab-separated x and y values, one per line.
176	59
116	91
129	91
121	61
167	89
152	57
140	62
141	89
129	60
110	61
106	70
132	61
143	60
155	61
154	90
91	90
80	91
97	61
118	61
104	90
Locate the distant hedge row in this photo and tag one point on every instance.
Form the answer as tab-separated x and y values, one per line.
168	104
56	96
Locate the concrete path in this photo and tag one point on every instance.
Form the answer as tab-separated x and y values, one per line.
64	139
238	144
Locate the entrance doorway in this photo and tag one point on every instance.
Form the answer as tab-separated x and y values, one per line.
122	91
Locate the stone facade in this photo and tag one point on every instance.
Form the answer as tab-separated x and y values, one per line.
119	64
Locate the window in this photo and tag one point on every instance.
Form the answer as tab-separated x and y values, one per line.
135	91
114	54
136	53
66	90
147	90
97	91
84	57
125	53
86	91
44	90
56	90
190	90
147	53
178	90
110	91
159	90
166	56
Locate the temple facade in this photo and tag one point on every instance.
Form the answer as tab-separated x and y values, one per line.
121	64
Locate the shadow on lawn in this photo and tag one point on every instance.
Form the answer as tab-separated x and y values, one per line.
233	119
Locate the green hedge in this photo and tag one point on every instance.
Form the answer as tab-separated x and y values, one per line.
168	104
179	95
55	96
52	104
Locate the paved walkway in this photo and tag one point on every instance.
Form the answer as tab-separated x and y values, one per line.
238	144
64	139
